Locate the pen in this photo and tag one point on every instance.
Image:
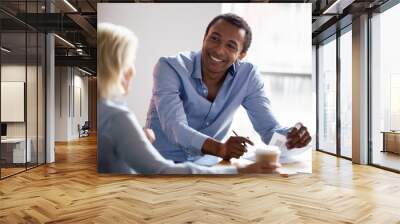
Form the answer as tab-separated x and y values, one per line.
245	145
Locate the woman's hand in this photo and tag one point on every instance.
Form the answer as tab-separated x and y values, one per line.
149	134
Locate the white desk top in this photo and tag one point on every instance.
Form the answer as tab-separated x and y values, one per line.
301	163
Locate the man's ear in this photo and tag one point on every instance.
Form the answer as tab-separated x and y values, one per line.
242	55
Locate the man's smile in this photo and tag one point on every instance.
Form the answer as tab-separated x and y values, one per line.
216	59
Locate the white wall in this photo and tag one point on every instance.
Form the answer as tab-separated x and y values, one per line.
61	103
17	73
80	102
68	82
162	30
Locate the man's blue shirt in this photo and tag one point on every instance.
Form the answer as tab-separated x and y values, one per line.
182	117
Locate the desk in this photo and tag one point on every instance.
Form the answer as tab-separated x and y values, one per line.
13	150
391	141
290	166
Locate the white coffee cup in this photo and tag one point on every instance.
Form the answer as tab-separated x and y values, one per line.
269	154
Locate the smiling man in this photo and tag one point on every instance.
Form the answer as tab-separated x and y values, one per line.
196	94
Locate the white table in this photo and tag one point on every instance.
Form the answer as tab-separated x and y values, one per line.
299	164
19	155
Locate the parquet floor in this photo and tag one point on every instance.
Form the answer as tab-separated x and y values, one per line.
10	171
70	191
387	159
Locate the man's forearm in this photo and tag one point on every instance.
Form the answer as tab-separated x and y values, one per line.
211	147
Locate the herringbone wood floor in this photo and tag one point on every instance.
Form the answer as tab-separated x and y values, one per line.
70	191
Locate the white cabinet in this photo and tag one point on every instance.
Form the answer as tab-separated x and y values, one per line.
16	147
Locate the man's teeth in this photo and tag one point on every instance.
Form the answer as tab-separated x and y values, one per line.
216	59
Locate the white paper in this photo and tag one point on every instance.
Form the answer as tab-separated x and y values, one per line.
251	155
207	160
280	141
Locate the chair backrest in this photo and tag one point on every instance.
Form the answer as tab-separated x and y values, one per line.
86	125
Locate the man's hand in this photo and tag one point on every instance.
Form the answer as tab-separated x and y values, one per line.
298	137
234	147
260	167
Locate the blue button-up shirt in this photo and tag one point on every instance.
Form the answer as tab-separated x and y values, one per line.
182	117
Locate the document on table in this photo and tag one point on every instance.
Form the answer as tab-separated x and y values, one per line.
207	160
280	141
251	155
294	160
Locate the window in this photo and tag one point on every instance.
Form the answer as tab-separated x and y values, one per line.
385	87
346	94
22	76
327	96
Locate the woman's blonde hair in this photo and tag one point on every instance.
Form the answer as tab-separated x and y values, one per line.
116	50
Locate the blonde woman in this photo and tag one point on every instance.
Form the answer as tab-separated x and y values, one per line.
123	147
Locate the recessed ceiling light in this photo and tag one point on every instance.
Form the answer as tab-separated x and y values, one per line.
84	71
5	50
64	40
71	6
338	6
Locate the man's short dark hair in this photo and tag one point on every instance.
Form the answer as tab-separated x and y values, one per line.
236	21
